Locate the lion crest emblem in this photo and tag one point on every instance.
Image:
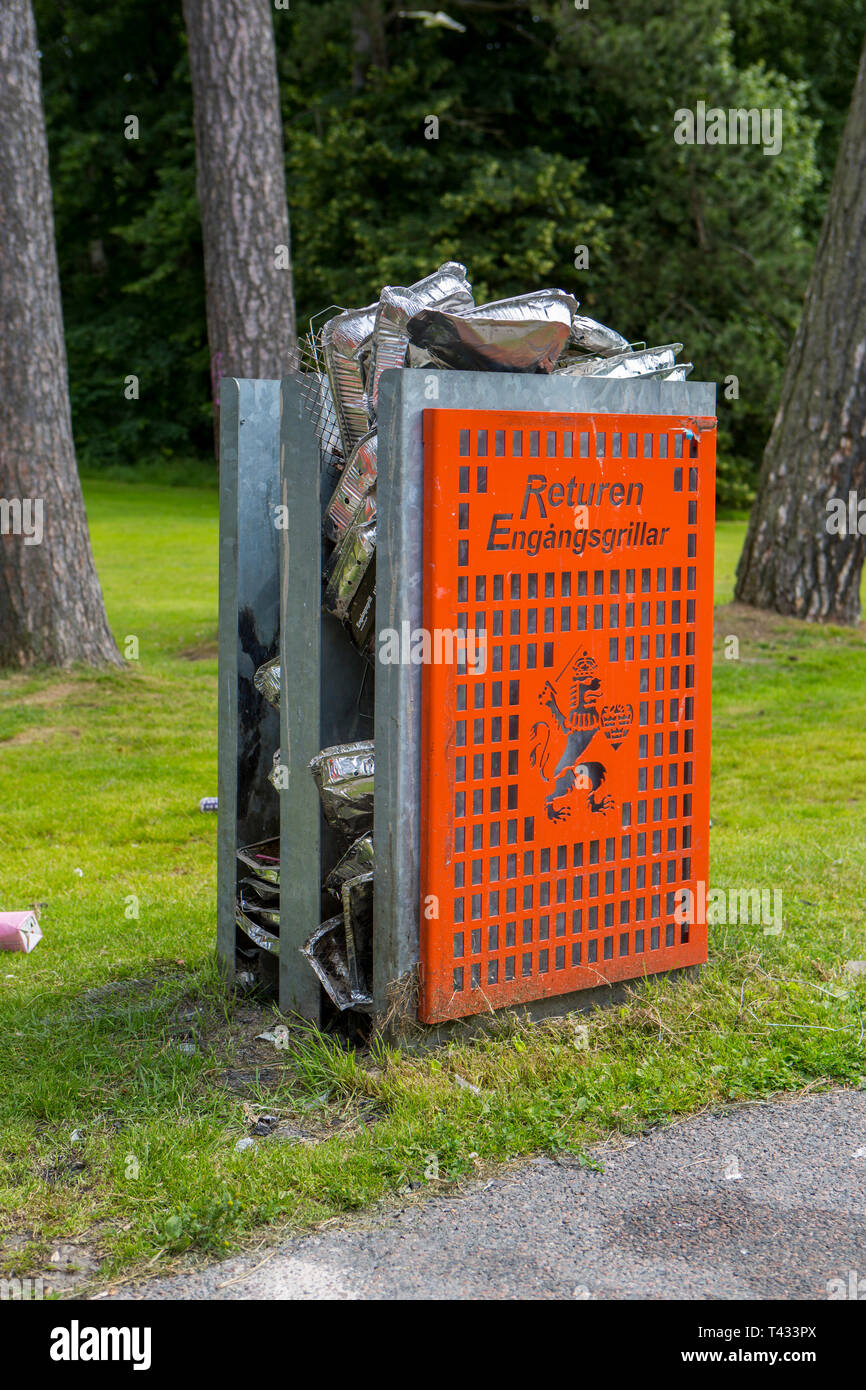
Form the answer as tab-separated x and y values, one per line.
560	740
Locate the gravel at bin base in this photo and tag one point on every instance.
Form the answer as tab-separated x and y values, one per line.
763	1201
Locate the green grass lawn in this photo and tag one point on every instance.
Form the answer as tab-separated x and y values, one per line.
126	1079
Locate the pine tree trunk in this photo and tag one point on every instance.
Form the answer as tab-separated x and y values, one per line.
791	563
51	606
241	188
369	48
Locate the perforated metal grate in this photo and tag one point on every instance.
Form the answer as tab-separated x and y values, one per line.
566	728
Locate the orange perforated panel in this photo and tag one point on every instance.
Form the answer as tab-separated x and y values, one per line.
566	743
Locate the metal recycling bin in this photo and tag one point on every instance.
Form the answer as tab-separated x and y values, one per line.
540	699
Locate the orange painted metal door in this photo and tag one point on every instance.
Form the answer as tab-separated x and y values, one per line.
567	649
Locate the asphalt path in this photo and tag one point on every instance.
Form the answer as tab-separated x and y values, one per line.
763	1201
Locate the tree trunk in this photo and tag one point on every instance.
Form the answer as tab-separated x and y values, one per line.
369	47
791	562
241	189
51	607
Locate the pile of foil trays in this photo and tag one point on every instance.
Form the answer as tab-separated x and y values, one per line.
446	290
340	950
257	910
432	323
658	362
359	344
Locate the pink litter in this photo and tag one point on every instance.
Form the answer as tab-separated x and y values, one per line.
19	931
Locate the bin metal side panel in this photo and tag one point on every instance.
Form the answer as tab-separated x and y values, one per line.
326	698
248	810
565	728
300	702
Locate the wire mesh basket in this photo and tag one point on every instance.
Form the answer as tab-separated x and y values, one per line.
316	396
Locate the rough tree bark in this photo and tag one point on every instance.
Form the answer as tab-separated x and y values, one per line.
817	449
51	606
241	188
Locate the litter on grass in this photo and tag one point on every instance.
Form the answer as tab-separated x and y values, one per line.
19	931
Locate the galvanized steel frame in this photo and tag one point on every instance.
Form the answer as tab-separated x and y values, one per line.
249	619
272	558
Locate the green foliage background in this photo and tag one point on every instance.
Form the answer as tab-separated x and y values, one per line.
555	131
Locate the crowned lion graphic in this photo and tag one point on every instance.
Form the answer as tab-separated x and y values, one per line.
575	719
